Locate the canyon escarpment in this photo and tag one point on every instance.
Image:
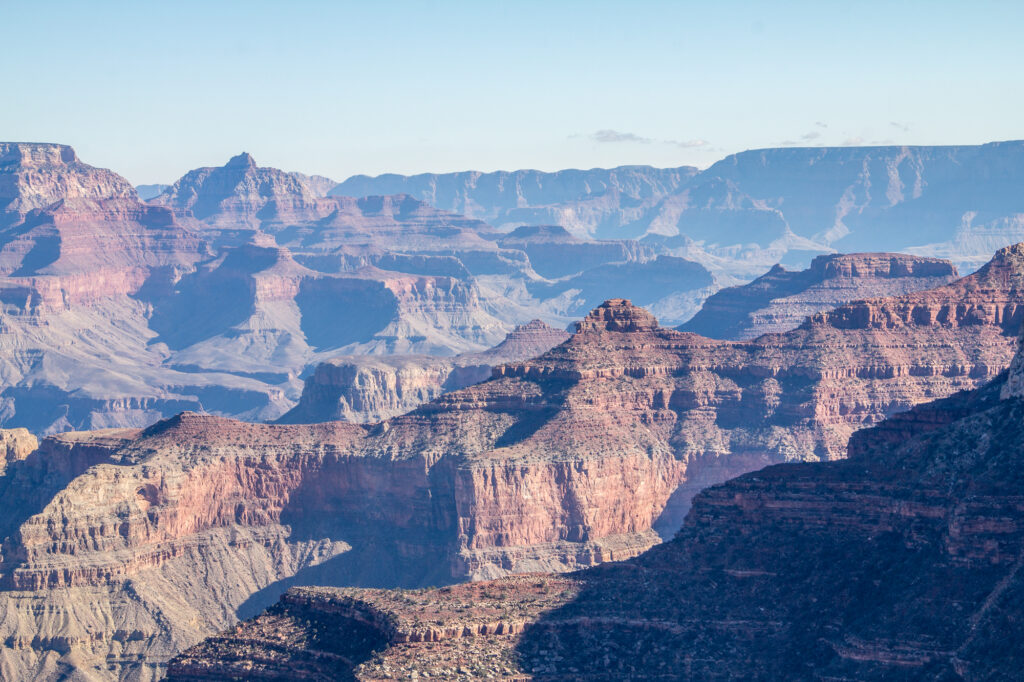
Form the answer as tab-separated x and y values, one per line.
579	456
902	562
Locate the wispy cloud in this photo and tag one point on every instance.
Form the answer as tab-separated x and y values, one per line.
853	142
905	127
821	124
804	139
609	135
688	144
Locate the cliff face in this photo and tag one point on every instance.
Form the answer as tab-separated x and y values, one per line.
107	316
902	562
34	176
581	455
780	300
369	389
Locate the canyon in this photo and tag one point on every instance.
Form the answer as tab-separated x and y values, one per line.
107	319
379	396
902	562
589	453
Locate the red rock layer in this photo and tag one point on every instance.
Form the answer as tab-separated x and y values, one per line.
556	463
901	563
529	470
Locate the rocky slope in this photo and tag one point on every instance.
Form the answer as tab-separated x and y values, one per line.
903	562
372	388
234	194
577	457
79	272
780	299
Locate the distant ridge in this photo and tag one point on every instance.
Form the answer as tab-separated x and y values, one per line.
960	202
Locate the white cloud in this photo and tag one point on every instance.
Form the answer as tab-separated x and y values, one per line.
608	135
688	144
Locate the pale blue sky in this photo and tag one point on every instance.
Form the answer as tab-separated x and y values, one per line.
154	89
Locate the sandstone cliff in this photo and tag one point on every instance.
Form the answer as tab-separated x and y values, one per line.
574	458
368	389
780	299
902	562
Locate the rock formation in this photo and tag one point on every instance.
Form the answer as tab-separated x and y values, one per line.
580	456
15	445
902	562
780	299
147	192
371	388
107	318
35	176
234	194
760	207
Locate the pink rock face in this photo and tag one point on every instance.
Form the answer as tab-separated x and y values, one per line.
34	176
15	446
618	315
901	562
82	251
559	462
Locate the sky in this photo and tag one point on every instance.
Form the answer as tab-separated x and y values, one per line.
152	90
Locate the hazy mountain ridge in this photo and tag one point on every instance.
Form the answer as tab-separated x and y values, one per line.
956	202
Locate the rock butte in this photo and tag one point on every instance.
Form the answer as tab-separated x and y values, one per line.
903	562
573	458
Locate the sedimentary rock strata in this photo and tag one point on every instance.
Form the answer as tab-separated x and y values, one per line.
579	456
368	389
35	176
780	299
902	562
220	292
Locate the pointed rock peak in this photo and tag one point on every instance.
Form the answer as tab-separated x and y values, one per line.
618	315
243	160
